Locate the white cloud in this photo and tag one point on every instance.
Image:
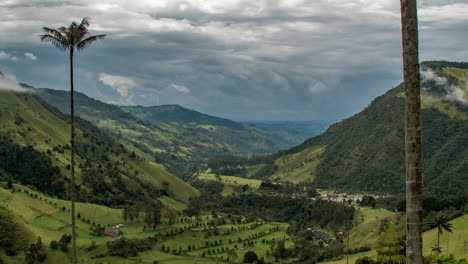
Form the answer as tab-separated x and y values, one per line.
317	88
181	88
429	74
4	55
232	48
121	84
453	93
448	13
15	59
30	56
9	83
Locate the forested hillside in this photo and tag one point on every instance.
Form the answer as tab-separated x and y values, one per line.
179	114
35	151
366	151
173	135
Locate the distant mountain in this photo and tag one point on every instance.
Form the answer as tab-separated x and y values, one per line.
366	151
179	114
177	141
305	129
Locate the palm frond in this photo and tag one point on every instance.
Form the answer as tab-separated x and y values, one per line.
72	25
55	33
81	34
84	23
87	41
59	43
447	226
82	30
63	30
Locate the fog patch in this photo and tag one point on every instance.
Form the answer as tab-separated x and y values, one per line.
9	83
453	93
121	84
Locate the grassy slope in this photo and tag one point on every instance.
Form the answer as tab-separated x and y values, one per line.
370	225
455	241
176	186
43	130
298	167
37	129
231	183
43	216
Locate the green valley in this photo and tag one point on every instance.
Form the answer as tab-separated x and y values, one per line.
173	135
230	203
233	132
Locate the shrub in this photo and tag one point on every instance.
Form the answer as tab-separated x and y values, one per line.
54	244
125	248
250	257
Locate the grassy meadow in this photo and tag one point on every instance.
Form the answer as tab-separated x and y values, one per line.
232	184
203	239
366	233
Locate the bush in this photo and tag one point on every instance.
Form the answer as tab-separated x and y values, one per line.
64	247
41	257
125	248
250	257
54	244
364	260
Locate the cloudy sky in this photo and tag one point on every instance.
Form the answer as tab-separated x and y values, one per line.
240	59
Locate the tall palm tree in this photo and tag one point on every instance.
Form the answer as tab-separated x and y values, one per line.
76	36
441	221
409	31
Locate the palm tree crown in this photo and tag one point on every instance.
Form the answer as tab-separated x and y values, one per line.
75	36
441	222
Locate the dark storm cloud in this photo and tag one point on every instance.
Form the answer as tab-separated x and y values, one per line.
240	59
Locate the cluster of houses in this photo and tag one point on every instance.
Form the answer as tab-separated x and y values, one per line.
331	196
113	231
337	197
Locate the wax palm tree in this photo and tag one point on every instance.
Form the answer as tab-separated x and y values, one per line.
409	32
76	36
441	222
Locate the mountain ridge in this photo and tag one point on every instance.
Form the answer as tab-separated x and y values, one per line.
180	114
365	152
175	144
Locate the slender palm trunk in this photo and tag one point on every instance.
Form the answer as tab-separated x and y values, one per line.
409	27
347	253
438	242
73	189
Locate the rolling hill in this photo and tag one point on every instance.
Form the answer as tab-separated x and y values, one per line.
29	214
34	150
180	115
171	134
366	151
